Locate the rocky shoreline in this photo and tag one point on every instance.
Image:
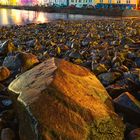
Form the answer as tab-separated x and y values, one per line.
96	12
108	48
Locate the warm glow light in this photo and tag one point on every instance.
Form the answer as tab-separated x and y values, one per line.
27	16
4	17
41	17
16	17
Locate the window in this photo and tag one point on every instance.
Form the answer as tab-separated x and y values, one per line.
118	1
109	1
101	1
128	1
72	0
79	0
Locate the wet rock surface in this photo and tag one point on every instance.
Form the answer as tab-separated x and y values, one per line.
109	48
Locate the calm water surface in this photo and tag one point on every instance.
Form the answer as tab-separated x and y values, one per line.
13	16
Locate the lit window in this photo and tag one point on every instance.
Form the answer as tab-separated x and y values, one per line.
118	1
128	1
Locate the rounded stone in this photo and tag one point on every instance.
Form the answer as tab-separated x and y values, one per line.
4	73
7	134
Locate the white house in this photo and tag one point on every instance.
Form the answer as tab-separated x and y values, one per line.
81	2
59	2
3	2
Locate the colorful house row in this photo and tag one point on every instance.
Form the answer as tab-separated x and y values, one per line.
33	2
23	2
119	2
135	3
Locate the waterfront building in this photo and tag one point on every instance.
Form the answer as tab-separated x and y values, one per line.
28	2
106	1
4	2
122	4
58	2
12	2
81	2
24	2
45	2
126	4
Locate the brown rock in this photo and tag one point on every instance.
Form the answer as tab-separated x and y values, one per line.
129	128
60	100
2	124
109	77
11	47
115	90
2	87
7	115
134	134
129	106
4	73
7	47
7	134
99	68
28	60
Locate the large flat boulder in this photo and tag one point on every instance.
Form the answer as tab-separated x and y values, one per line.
58	100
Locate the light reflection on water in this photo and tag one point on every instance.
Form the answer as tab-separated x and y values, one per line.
13	16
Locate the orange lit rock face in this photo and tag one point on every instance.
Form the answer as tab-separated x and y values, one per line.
63	101
4	73
28	60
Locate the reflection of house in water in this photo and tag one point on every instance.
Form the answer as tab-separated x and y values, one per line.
16	16
32	16
28	16
4	17
40	17
9	17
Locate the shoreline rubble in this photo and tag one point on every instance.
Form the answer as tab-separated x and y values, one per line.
108	48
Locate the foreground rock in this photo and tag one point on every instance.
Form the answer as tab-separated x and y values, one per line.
60	100
129	106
